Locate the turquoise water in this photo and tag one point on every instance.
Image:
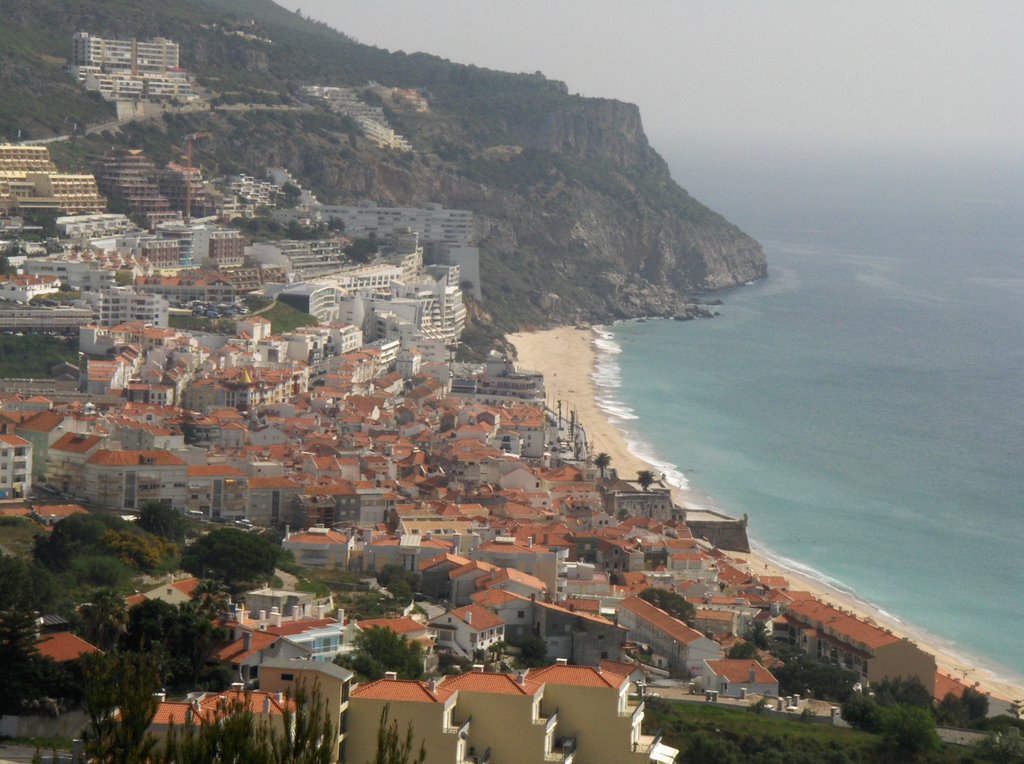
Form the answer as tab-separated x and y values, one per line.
865	404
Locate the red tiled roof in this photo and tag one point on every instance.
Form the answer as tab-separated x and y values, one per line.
738	671
577	676
495	684
477	618
134	458
402	690
835	622
64	646
660	620
235	653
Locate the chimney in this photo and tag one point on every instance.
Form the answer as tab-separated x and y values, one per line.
266	705
246	641
597	668
529	541
241	614
276	617
286	532
320	610
160	696
478	668
520	677
263	615
561	661
341	616
432	684
752	677
280	697
392	675
236	687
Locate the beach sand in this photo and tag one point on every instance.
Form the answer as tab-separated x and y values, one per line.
566	357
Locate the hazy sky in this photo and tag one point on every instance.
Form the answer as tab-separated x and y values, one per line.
923	76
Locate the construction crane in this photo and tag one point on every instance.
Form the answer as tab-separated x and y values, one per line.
189	140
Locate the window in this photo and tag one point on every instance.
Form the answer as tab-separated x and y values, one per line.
287	677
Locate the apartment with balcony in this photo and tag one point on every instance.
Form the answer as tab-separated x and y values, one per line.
15	467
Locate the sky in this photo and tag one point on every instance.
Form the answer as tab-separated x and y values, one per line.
921	76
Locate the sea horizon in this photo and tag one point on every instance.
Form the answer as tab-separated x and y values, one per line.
887	315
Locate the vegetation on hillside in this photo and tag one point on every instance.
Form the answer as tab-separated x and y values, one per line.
33	355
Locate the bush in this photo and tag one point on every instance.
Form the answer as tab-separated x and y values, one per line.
909	730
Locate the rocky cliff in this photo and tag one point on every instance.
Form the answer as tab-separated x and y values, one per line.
578	217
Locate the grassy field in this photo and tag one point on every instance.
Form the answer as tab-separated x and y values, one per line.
706	732
284	318
33	355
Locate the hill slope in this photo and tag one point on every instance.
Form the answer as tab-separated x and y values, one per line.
571	200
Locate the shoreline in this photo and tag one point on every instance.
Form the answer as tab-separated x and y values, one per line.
568	359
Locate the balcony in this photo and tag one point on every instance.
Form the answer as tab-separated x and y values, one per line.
563	750
634	711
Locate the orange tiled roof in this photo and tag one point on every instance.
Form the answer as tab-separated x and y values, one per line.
400	626
830	620
660	620
494	684
577	676
402	690
64	646
737	671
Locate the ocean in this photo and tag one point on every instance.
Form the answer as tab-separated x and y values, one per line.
864	405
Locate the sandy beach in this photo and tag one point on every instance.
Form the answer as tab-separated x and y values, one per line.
566	357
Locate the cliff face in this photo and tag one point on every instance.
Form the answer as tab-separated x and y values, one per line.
578	217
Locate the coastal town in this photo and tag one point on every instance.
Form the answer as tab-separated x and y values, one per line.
254	373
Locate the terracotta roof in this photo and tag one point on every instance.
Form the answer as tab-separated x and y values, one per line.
495	684
14	440
134	458
235	653
44	421
291	628
64	646
577	676
402	690
660	620
330	537
477	618
835	622
738	671
400	626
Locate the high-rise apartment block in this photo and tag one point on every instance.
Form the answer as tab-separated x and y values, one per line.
129	69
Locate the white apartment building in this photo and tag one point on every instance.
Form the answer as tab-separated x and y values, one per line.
432	222
24	288
92	226
15	467
129	69
119	305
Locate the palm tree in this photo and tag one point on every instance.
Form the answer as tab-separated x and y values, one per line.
601	461
104	619
645	478
210	596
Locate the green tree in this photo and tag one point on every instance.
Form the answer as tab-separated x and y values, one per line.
645	478
602	461
742	651
758	634
802	674
902	691
673	604
533	651
308	735
863	713
20	664
399	581
392	748
379	650
967	710
909	730
104	619
232	556
120	703
162	520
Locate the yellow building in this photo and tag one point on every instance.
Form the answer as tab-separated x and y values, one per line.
30	181
559	713
427	706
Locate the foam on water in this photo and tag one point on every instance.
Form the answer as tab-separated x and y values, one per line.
607	377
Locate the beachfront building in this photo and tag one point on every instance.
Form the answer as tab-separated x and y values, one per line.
840	638
735	678
679	648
